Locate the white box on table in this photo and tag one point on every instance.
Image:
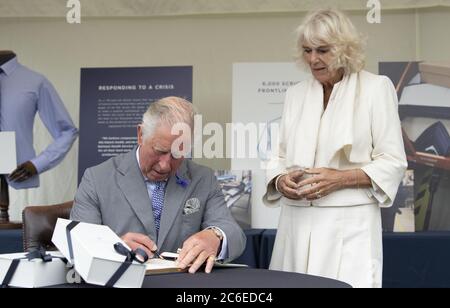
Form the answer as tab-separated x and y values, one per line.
94	256
34	273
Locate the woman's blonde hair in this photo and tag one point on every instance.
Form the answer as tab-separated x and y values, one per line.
334	29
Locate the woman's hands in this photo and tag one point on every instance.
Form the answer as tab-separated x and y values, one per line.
321	183
288	184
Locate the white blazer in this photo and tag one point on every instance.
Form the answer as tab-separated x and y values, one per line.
360	128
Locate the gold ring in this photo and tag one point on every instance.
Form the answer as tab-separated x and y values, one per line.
212	257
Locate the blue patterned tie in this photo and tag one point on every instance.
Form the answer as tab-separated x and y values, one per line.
158	202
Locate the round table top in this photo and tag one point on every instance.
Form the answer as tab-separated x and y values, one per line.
240	278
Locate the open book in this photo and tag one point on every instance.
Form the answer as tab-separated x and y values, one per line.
161	266
166	264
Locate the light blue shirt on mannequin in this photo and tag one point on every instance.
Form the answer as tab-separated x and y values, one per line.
23	93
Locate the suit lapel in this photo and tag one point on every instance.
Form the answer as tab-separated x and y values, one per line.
173	202
132	184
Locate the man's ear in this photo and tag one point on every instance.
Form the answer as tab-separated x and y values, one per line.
140	135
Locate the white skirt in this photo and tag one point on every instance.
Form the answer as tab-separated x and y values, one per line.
343	243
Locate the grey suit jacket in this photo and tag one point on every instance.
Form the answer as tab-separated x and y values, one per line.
114	194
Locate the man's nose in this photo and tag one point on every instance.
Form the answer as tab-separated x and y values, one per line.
164	161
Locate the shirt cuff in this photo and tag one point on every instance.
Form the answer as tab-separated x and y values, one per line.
40	163
223	255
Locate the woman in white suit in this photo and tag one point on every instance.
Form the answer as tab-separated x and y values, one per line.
341	158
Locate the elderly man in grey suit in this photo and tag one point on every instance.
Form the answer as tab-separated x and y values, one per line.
156	200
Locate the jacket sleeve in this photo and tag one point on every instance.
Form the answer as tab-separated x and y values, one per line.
86	206
388	155
217	214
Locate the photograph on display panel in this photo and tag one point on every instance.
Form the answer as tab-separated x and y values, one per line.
400	216
259	90
423	90
237	189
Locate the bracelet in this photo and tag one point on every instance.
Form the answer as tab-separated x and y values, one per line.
276	182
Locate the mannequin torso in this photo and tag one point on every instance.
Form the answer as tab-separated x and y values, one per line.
25	92
5	56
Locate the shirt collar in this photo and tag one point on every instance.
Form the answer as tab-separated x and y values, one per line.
10	66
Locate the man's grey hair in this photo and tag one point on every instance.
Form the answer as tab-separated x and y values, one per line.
167	111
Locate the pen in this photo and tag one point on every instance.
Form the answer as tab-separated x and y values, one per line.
156	255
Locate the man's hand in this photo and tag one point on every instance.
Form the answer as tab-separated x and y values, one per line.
200	247
288	184
137	240
23	172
